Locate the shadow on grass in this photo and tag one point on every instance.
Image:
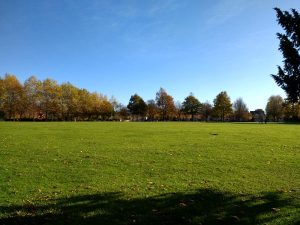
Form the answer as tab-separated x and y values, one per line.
263	123
202	207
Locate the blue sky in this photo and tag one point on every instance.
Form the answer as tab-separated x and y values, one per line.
120	47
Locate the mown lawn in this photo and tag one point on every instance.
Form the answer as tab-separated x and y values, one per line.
149	173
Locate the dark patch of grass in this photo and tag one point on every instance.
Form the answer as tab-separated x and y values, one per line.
205	206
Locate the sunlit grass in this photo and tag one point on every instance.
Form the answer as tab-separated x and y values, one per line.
41	163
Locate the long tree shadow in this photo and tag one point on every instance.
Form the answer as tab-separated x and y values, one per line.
202	207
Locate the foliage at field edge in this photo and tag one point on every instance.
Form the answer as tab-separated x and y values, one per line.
48	100
288	76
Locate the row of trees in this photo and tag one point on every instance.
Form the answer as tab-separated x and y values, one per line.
164	108
48	100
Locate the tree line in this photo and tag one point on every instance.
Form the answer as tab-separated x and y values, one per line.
47	100
222	109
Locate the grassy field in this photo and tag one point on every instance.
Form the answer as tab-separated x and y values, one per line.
149	173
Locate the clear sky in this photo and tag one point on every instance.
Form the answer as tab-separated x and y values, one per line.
122	47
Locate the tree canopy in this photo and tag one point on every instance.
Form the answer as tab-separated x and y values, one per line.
152	110
165	104
274	108
222	105
48	100
288	76
240	110
137	106
191	105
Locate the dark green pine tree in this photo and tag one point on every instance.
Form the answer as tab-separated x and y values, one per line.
288	77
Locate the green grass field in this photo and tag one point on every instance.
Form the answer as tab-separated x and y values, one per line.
149	173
